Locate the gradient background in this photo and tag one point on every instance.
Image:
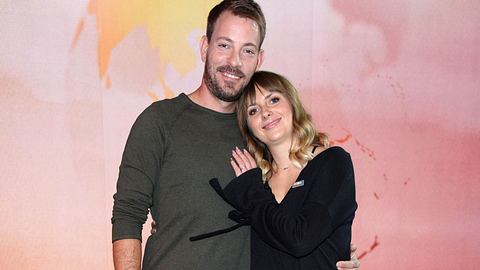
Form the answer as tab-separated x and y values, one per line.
396	83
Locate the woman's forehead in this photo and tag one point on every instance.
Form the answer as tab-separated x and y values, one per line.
259	93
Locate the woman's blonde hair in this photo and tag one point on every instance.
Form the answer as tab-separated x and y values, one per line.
303	130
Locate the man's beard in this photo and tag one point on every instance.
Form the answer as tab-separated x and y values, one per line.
228	93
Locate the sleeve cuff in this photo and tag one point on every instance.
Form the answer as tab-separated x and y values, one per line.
248	189
126	230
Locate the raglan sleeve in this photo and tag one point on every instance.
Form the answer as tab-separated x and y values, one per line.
138	170
329	203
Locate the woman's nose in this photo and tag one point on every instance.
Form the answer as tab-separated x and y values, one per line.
266	113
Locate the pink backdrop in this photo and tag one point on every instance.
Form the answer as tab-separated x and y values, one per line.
396	83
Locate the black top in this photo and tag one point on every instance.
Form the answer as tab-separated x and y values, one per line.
311	227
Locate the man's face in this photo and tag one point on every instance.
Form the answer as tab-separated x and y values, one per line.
232	56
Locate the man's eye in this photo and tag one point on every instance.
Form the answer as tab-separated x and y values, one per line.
223	45
249	51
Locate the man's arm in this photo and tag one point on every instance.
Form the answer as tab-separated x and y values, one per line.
127	254
354	263
138	169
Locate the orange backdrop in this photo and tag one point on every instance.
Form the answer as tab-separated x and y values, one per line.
396	83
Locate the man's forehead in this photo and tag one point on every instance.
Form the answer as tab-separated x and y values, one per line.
227	18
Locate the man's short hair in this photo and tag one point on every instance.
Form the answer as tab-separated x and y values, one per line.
241	8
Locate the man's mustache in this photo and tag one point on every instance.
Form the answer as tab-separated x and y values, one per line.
232	70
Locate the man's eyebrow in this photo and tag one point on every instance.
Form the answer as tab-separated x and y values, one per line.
225	38
244	44
248	44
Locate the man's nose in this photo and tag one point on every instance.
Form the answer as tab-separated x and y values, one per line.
235	59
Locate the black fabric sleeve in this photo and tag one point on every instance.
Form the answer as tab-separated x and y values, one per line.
330	202
248	190
139	167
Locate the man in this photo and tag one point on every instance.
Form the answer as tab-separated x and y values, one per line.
177	145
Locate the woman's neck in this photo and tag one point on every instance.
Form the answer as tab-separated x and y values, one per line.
281	155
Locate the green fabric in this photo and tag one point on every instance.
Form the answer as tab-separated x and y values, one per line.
174	148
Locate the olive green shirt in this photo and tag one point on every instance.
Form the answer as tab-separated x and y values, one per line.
174	148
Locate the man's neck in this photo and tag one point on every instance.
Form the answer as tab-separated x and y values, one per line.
203	97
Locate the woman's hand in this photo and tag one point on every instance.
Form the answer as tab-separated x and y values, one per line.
241	161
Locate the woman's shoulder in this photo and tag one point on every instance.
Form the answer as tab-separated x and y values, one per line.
334	154
329	151
332	161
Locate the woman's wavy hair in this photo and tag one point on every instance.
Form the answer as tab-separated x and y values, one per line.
303	129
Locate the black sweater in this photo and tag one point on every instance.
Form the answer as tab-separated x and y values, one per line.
311	227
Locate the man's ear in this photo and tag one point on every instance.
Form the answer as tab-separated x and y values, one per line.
261	56
204	48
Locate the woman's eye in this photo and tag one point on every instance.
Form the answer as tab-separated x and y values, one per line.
252	112
274	100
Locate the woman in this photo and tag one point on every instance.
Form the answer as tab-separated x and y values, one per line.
300	201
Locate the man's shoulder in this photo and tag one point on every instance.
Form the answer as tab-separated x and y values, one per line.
161	114
166	109
168	106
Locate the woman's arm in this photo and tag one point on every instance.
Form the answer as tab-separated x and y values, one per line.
330	202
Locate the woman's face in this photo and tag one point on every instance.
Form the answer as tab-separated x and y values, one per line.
270	117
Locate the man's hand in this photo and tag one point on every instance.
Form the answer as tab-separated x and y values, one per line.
153	228
127	254
354	263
